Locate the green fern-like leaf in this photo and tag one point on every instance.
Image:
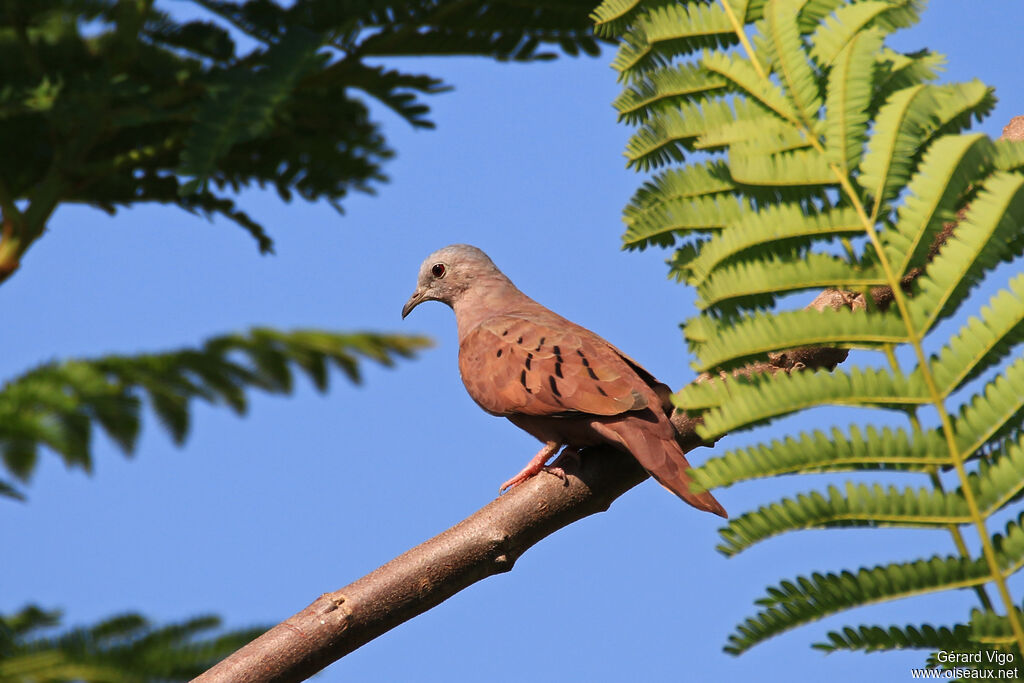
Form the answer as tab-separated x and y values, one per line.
847	24
877	639
742	74
793	68
1008	155
8	490
991	628
668	137
993	412
662	223
848	99
898	71
797	168
836	164
611	16
807	599
753	123
861	506
649	215
739	405
737	342
984	341
868	448
907	122
934	194
664	87
790	224
858	505
673	29
244	106
56	404
735	283
990	233
123	648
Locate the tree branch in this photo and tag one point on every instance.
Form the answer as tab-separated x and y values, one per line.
487	543
490	541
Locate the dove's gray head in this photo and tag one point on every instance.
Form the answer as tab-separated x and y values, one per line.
448	273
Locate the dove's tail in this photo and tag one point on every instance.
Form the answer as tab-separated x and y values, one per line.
660	456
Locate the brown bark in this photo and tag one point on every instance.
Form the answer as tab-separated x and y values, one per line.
492	539
486	543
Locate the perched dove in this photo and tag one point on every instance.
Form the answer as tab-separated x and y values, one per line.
558	381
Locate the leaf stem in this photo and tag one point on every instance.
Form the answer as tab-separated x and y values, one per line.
933	475
737	27
936	399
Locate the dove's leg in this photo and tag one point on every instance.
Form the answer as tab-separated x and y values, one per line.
536	465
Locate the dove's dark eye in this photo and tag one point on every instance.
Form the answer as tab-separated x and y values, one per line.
438	270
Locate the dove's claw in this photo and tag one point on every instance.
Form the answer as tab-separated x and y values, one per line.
537	464
558	472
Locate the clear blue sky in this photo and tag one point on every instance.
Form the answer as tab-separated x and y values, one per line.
255	517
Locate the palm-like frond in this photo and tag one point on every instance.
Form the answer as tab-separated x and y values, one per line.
669	136
745	284
867	448
848	22
807	599
740	341
988	235
663	89
877	638
123	648
788	224
792	66
834	163
663	222
56	405
772	169
242	107
178	112
742	404
849	95
910	118
992	413
860	505
983	341
671	29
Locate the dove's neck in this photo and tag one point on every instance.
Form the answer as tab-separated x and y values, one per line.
485	299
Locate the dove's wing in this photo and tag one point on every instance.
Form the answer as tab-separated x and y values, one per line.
541	364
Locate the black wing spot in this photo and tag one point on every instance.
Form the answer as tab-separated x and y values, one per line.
505	333
498	355
529	359
554	385
586	363
558	369
590	371
522	380
519	341
540	343
601	391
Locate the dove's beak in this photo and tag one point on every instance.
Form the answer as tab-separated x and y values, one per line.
415	300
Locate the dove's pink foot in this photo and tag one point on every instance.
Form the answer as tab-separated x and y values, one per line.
537	464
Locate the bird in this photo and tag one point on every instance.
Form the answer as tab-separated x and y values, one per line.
557	380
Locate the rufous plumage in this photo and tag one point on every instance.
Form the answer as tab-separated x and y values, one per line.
558	381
